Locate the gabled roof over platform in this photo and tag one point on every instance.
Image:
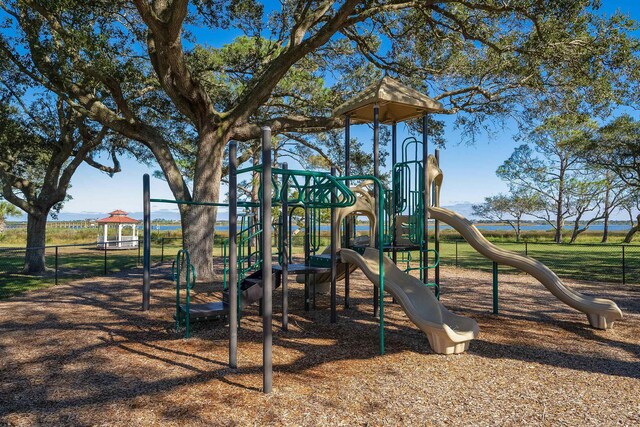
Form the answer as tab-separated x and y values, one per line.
118	217
396	102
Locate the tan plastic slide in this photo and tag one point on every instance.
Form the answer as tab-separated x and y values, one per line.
447	333
602	313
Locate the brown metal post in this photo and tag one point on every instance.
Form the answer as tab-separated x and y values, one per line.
347	221
284	229
233	256
267	289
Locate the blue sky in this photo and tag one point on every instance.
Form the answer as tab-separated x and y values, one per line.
469	170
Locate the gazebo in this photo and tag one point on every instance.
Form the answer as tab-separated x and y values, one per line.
118	219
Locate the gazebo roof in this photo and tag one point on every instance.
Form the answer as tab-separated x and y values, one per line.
118	217
396	103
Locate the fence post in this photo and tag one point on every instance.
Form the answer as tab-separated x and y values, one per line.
105	259
162	250
495	287
56	273
456	253
624	278
526	248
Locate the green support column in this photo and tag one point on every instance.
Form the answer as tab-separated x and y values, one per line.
495	287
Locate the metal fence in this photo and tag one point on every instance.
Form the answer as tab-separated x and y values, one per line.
63	262
593	262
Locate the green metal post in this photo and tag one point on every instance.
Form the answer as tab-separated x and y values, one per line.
456	253
378	194
334	248
424	246
56	278
624	272
495	287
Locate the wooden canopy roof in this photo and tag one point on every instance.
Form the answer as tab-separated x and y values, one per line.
396	103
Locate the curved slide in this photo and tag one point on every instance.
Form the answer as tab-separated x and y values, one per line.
602	313
447	333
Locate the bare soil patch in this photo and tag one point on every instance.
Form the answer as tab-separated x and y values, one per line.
85	354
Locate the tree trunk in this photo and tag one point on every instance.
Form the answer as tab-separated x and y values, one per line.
559	226
34	261
576	229
559	220
633	231
560	204
607	208
518	230
198	222
605	231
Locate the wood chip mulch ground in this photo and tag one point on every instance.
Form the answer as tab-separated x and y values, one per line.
85	354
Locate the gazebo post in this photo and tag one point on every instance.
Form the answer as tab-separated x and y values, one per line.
105	234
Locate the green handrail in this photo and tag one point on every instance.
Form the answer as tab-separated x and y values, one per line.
183	257
322	185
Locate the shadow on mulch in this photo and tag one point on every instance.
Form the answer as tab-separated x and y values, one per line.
62	338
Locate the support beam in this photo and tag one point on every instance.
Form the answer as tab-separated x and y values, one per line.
347	220
392	202
436	203
233	256
495	288
146	263
267	311
307	246
376	195
285	250
334	252
425	200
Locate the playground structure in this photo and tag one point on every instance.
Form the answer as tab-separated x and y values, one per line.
398	220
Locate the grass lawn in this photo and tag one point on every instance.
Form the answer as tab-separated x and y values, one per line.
577	261
590	262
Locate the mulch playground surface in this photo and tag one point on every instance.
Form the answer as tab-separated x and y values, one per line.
85	354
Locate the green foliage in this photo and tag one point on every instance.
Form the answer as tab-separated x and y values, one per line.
616	147
140	69
551	168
